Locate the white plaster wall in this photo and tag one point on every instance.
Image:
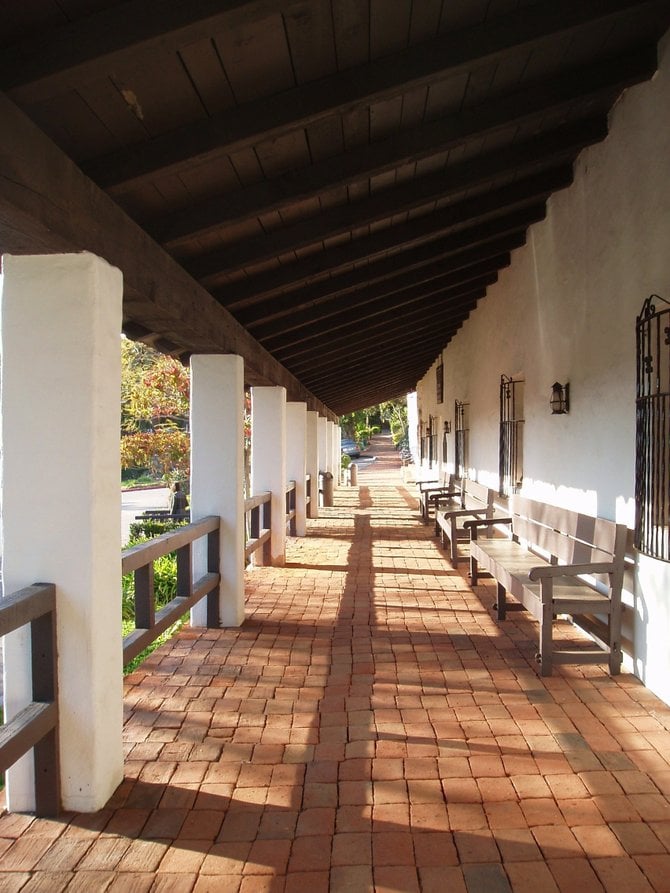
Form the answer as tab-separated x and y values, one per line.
565	310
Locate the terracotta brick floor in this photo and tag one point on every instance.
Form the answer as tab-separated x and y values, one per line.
370	727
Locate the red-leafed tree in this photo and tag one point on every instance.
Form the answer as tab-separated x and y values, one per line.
154	411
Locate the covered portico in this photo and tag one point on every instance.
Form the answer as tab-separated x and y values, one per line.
317	201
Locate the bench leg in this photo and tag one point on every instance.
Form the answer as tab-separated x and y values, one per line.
454	542
501	604
474	571
546	643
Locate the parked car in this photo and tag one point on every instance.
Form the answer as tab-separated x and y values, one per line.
350	448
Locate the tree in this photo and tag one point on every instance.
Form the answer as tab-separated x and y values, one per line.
395	413
154	411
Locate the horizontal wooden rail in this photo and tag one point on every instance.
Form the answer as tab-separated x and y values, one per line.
149	623
36	725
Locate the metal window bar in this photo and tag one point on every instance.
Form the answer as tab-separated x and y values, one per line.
652	442
461	439
511	455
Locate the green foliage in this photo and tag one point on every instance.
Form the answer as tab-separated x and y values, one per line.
154	411
165	585
345	461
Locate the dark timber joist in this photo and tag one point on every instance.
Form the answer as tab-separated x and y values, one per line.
600	82
430	233
402	324
358	300
412	296
456	216
446	56
542	152
297	309
59	58
46	201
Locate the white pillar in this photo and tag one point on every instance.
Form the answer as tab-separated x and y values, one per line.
333	467
268	460
324	458
312	461
61	505
337	453
296	462
217	475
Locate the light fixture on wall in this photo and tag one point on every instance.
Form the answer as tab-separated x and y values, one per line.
447	427
560	398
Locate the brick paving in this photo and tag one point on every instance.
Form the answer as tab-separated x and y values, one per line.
370	727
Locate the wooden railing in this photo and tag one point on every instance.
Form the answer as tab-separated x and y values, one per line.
290	508
308	489
258	516
150	623
36	726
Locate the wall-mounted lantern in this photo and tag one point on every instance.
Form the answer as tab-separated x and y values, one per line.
447	427
560	398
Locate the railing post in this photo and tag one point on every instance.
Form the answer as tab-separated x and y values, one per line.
213	563
145	607
45	688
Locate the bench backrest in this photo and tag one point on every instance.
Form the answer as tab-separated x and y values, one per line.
472	492
566	536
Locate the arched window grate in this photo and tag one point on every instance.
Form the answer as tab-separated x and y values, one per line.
652	445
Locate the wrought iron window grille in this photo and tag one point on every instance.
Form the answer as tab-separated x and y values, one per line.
461	438
652	440
511	435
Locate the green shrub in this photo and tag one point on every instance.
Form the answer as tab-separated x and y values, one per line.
165	584
150	527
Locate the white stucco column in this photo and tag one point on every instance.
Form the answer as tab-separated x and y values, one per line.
337	452
312	460
324	455
217	475
268	460
296	461
61	505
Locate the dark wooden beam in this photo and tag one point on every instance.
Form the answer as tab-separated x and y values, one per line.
393	290
416	242
540	152
297	309
59	59
403	324
356	310
602	81
386	364
268	118
48	205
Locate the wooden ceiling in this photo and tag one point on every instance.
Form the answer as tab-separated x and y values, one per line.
327	187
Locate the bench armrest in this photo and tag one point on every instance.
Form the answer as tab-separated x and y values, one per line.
444	491
570	570
459	513
487	522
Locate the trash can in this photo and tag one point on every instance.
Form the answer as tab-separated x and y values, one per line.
328	488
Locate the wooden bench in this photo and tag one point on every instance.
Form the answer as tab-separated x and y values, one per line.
558	562
431	491
474	501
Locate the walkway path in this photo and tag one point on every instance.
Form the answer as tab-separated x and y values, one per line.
370	727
